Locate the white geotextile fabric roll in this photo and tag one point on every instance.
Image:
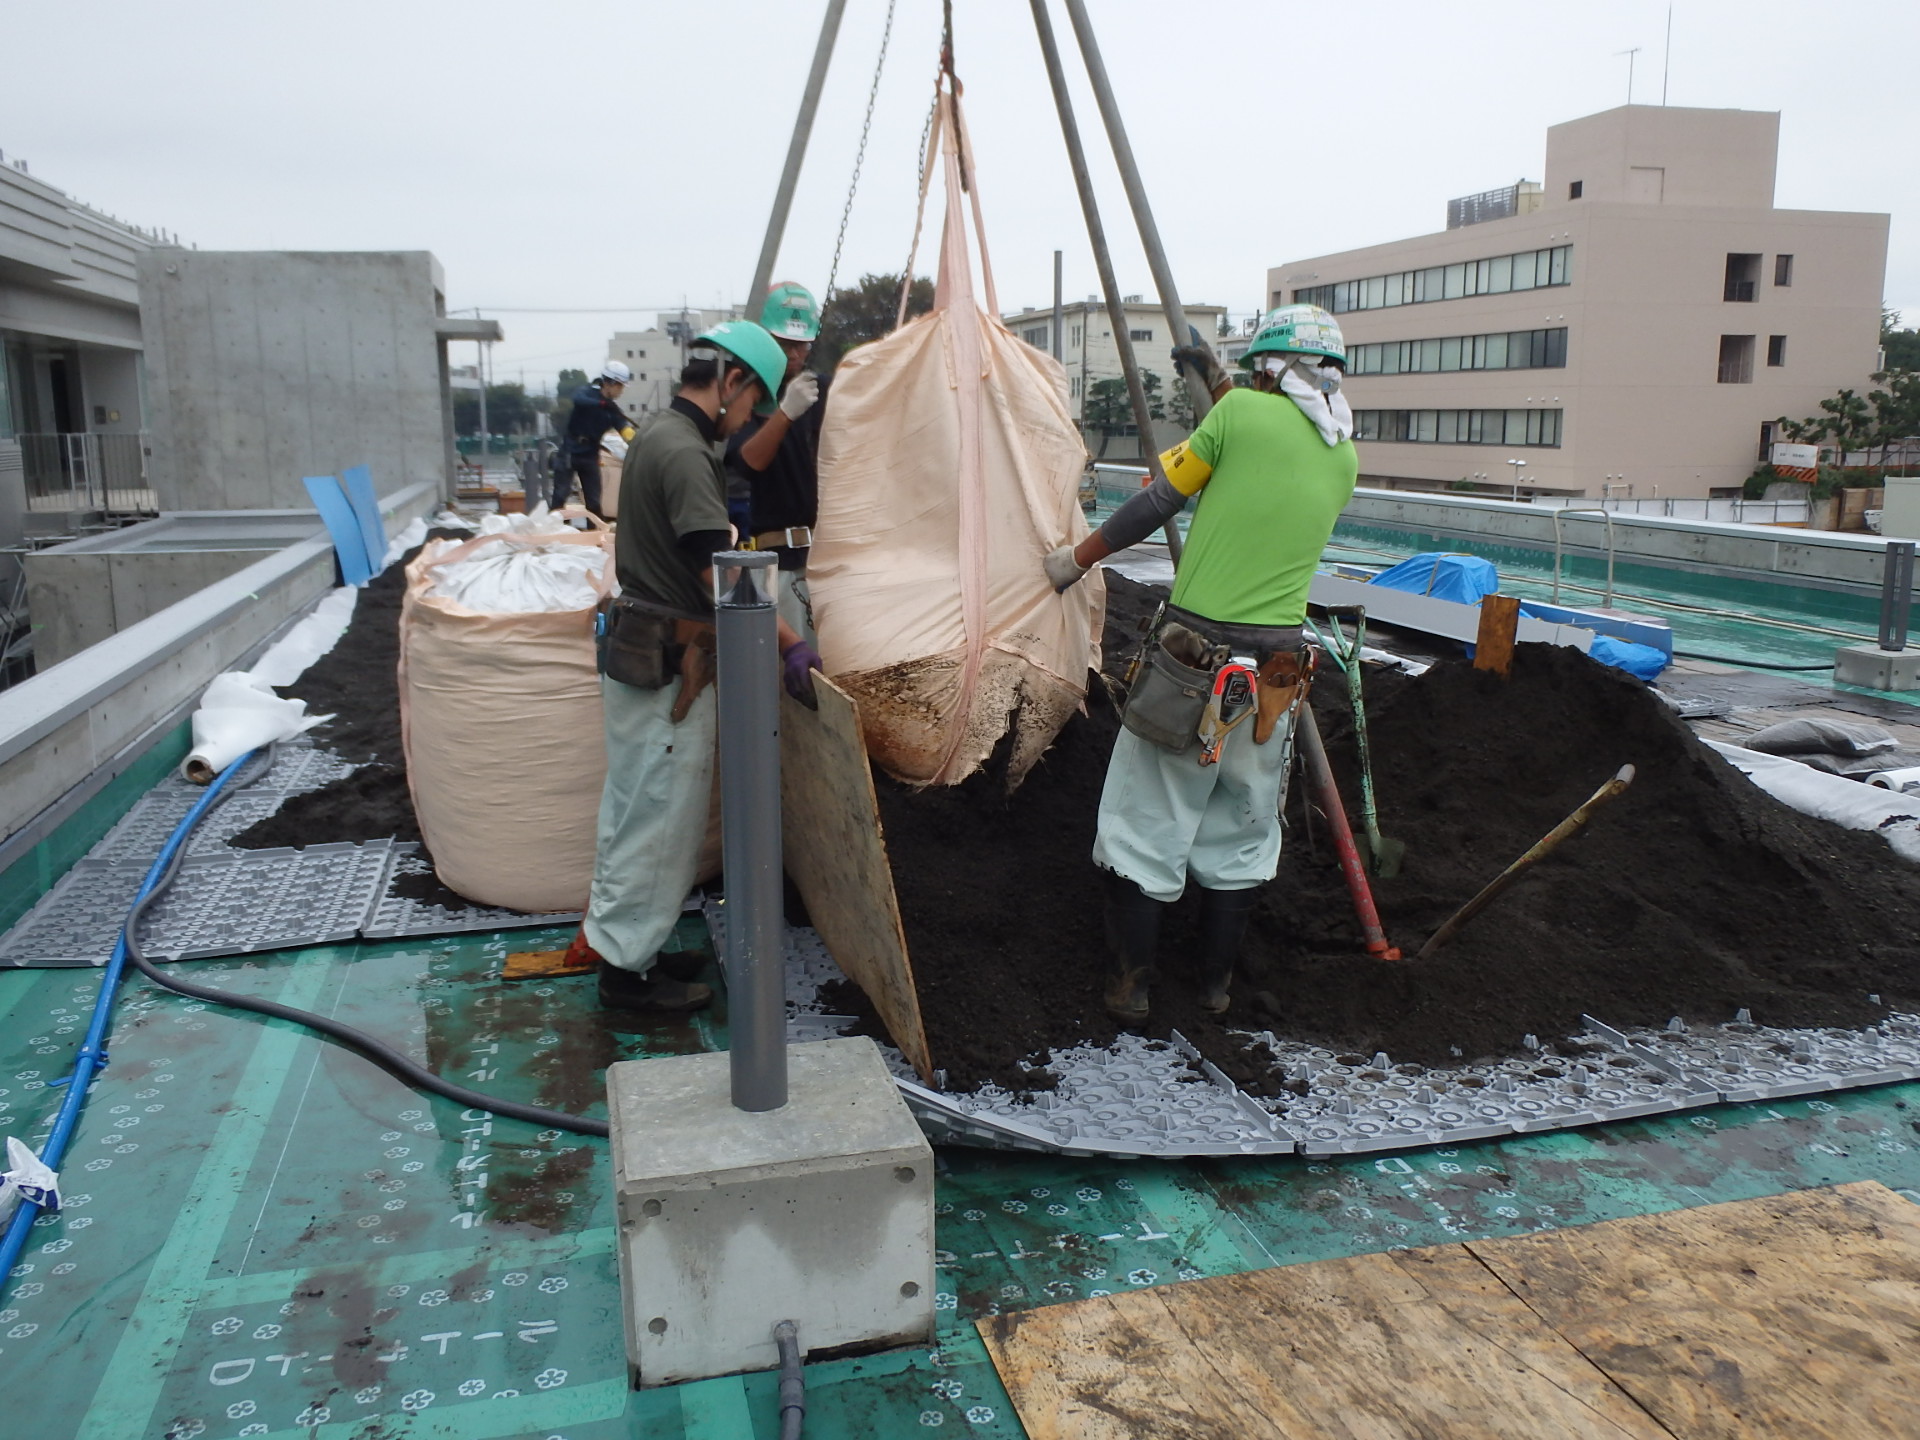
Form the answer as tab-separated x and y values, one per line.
239	712
510	577
1832	797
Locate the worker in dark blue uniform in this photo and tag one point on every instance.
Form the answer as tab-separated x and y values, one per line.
595	411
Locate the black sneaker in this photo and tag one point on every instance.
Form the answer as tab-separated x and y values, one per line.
682	965
624	990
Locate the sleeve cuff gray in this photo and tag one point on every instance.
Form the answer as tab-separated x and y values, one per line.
1142	515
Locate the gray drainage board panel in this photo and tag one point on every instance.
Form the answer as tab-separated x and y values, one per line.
395	917
1743	1061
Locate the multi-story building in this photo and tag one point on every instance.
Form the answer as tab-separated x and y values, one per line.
1087	346
1634	327
656	355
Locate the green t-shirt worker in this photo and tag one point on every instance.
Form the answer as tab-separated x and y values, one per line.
1273	466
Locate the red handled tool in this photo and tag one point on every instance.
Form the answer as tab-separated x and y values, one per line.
1314	753
1235	688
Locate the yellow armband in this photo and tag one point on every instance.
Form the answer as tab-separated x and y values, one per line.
1185	471
627	432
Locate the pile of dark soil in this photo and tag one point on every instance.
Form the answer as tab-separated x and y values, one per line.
1695	894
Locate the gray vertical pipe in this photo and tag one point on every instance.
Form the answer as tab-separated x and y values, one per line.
1057	307
748	680
796	152
1097	238
1896	594
1137	198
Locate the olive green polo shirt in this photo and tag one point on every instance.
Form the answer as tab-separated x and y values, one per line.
671	485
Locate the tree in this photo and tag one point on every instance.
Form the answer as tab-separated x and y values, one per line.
1156	402
509	411
1108	412
1902	347
569	381
865	311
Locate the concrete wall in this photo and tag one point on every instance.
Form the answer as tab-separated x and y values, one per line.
1645	309
1659	154
78	600
268	366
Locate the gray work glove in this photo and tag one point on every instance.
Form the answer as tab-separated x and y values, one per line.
1201	361
802	390
1063	571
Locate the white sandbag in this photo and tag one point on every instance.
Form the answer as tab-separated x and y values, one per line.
239	712
513	577
501	722
1832	797
949	467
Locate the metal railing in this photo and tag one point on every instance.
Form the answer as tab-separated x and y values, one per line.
103	473
1561	513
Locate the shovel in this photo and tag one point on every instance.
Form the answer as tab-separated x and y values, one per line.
1383	856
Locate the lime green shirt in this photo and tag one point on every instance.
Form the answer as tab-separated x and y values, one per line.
1270	489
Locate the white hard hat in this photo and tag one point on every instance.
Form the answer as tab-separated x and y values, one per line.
614	370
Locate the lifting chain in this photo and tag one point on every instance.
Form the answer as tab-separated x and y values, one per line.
860	156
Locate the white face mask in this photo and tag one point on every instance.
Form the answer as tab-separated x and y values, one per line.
1323	375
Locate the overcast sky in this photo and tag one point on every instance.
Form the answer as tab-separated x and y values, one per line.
595	156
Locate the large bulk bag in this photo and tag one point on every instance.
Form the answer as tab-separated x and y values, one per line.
949	467
501	723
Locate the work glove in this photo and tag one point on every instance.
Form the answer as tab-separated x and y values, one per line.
802	390
1063	571
1201	361
797	665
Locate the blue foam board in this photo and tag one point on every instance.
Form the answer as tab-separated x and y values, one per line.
357	481
349	544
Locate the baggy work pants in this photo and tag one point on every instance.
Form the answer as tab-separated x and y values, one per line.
1165	817
585	469
653	818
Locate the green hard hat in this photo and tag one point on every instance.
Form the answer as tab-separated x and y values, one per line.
791	313
1299	330
753	347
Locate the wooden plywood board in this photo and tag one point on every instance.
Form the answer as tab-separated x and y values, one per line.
1424	1343
1794	1316
837	855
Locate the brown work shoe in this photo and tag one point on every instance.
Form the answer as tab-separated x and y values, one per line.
625	990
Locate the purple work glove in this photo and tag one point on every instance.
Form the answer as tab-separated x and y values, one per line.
796	671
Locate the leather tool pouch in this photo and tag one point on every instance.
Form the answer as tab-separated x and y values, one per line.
1169	696
1283	678
637	647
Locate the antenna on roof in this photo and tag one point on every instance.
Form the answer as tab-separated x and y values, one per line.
1666	63
1629	54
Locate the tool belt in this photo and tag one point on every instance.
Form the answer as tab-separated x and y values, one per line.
794	537
645	645
1173	682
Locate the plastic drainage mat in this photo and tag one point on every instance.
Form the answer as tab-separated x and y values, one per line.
228	901
1150	1098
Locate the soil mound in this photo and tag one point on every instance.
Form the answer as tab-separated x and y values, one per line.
1694	894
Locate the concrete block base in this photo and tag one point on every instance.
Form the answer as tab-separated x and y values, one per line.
820	1212
1877	669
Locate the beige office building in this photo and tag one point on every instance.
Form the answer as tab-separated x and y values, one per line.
1089	351
1632	327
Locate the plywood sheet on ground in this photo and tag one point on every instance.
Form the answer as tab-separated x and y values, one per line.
838	858
1795	1316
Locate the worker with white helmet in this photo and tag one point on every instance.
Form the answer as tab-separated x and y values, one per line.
595	412
1192	793
656	657
772	465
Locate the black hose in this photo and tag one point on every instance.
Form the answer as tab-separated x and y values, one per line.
1747	664
381	1054
793	1389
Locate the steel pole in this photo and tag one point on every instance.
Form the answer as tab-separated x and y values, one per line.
1137	198
1097	238
748	679
796	152
1057	306
1896	594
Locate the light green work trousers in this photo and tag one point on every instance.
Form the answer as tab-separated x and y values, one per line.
1165	817
653	818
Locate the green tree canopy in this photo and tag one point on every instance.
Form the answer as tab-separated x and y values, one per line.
1902	347
855	314
509	410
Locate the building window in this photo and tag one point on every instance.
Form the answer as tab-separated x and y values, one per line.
1783	270
1736	359
1776	350
1743	278
1140	335
1073	337
629	354
1573	190
1534	428
1502	350
1074	388
1498	275
1035	336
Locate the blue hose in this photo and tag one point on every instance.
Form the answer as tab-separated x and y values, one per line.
93	1053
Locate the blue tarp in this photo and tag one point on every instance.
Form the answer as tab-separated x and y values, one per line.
1642	661
1443	575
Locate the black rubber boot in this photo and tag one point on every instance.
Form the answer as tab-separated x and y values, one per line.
624	990
1133	934
1223	928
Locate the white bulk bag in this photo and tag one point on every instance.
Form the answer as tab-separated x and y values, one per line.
949	467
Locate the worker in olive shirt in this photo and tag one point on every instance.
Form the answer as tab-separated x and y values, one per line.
656	657
1273	465
777	458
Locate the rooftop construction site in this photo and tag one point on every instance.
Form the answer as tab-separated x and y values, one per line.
844	857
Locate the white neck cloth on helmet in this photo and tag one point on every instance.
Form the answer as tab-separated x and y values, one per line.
1314	386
